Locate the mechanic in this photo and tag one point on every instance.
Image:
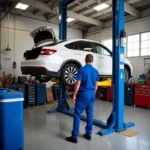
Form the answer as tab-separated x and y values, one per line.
84	98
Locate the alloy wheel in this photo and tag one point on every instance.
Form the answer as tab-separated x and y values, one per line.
70	75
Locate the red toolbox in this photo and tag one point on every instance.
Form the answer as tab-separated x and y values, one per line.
142	95
109	93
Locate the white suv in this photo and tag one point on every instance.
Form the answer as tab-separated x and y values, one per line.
50	58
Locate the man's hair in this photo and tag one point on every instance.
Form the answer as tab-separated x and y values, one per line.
89	58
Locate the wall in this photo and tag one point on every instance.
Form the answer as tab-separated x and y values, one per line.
20	40
131	28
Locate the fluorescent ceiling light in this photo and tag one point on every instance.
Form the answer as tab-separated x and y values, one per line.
101	6
70	19
21	6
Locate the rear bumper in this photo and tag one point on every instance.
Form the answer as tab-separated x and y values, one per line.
36	71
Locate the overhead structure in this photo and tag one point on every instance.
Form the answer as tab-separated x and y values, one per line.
77	13
115	122
83	12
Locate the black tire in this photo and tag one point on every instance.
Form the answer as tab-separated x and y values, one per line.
43	79
126	75
68	74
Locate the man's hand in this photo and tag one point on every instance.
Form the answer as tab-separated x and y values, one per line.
74	99
76	89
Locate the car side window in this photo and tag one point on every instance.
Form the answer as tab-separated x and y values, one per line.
69	46
85	46
73	45
76	46
100	50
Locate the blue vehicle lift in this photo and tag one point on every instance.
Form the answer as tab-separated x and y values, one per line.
116	118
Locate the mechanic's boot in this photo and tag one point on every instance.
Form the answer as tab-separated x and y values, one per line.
87	137
71	139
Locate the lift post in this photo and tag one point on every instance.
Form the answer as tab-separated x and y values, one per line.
117	116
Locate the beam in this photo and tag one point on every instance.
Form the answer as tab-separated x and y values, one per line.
43	6
71	14
73	3
28	2
42	18
129	9
84	18
55	4
77	26
38	5
36	11
30	15
51	2
98	14
85	4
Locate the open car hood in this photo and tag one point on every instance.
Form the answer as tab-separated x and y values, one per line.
43	34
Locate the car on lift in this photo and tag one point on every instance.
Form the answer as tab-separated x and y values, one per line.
50	58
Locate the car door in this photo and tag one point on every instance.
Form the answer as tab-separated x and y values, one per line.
105	59
81	49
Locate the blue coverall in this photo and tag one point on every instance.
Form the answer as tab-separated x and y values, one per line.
88	76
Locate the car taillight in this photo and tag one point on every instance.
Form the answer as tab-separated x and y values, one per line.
47	52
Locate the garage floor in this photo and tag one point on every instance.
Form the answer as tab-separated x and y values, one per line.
47	132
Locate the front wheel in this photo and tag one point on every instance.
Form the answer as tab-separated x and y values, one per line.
126	75
68	74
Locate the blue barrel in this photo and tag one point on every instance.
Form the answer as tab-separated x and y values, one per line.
11	120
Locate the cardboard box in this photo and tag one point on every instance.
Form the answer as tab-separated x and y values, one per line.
49	95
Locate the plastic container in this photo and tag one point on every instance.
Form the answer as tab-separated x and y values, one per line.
11	120
142	76
142	81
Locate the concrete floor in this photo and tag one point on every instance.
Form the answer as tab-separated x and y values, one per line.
48	132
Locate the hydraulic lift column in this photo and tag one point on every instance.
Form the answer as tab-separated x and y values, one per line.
116	119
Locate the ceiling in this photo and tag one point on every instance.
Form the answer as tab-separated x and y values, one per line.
82	10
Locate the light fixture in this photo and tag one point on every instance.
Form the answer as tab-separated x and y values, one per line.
21	6
101	6
70	19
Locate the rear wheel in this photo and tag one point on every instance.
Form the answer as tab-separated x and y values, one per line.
43	79
68	75
126	75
